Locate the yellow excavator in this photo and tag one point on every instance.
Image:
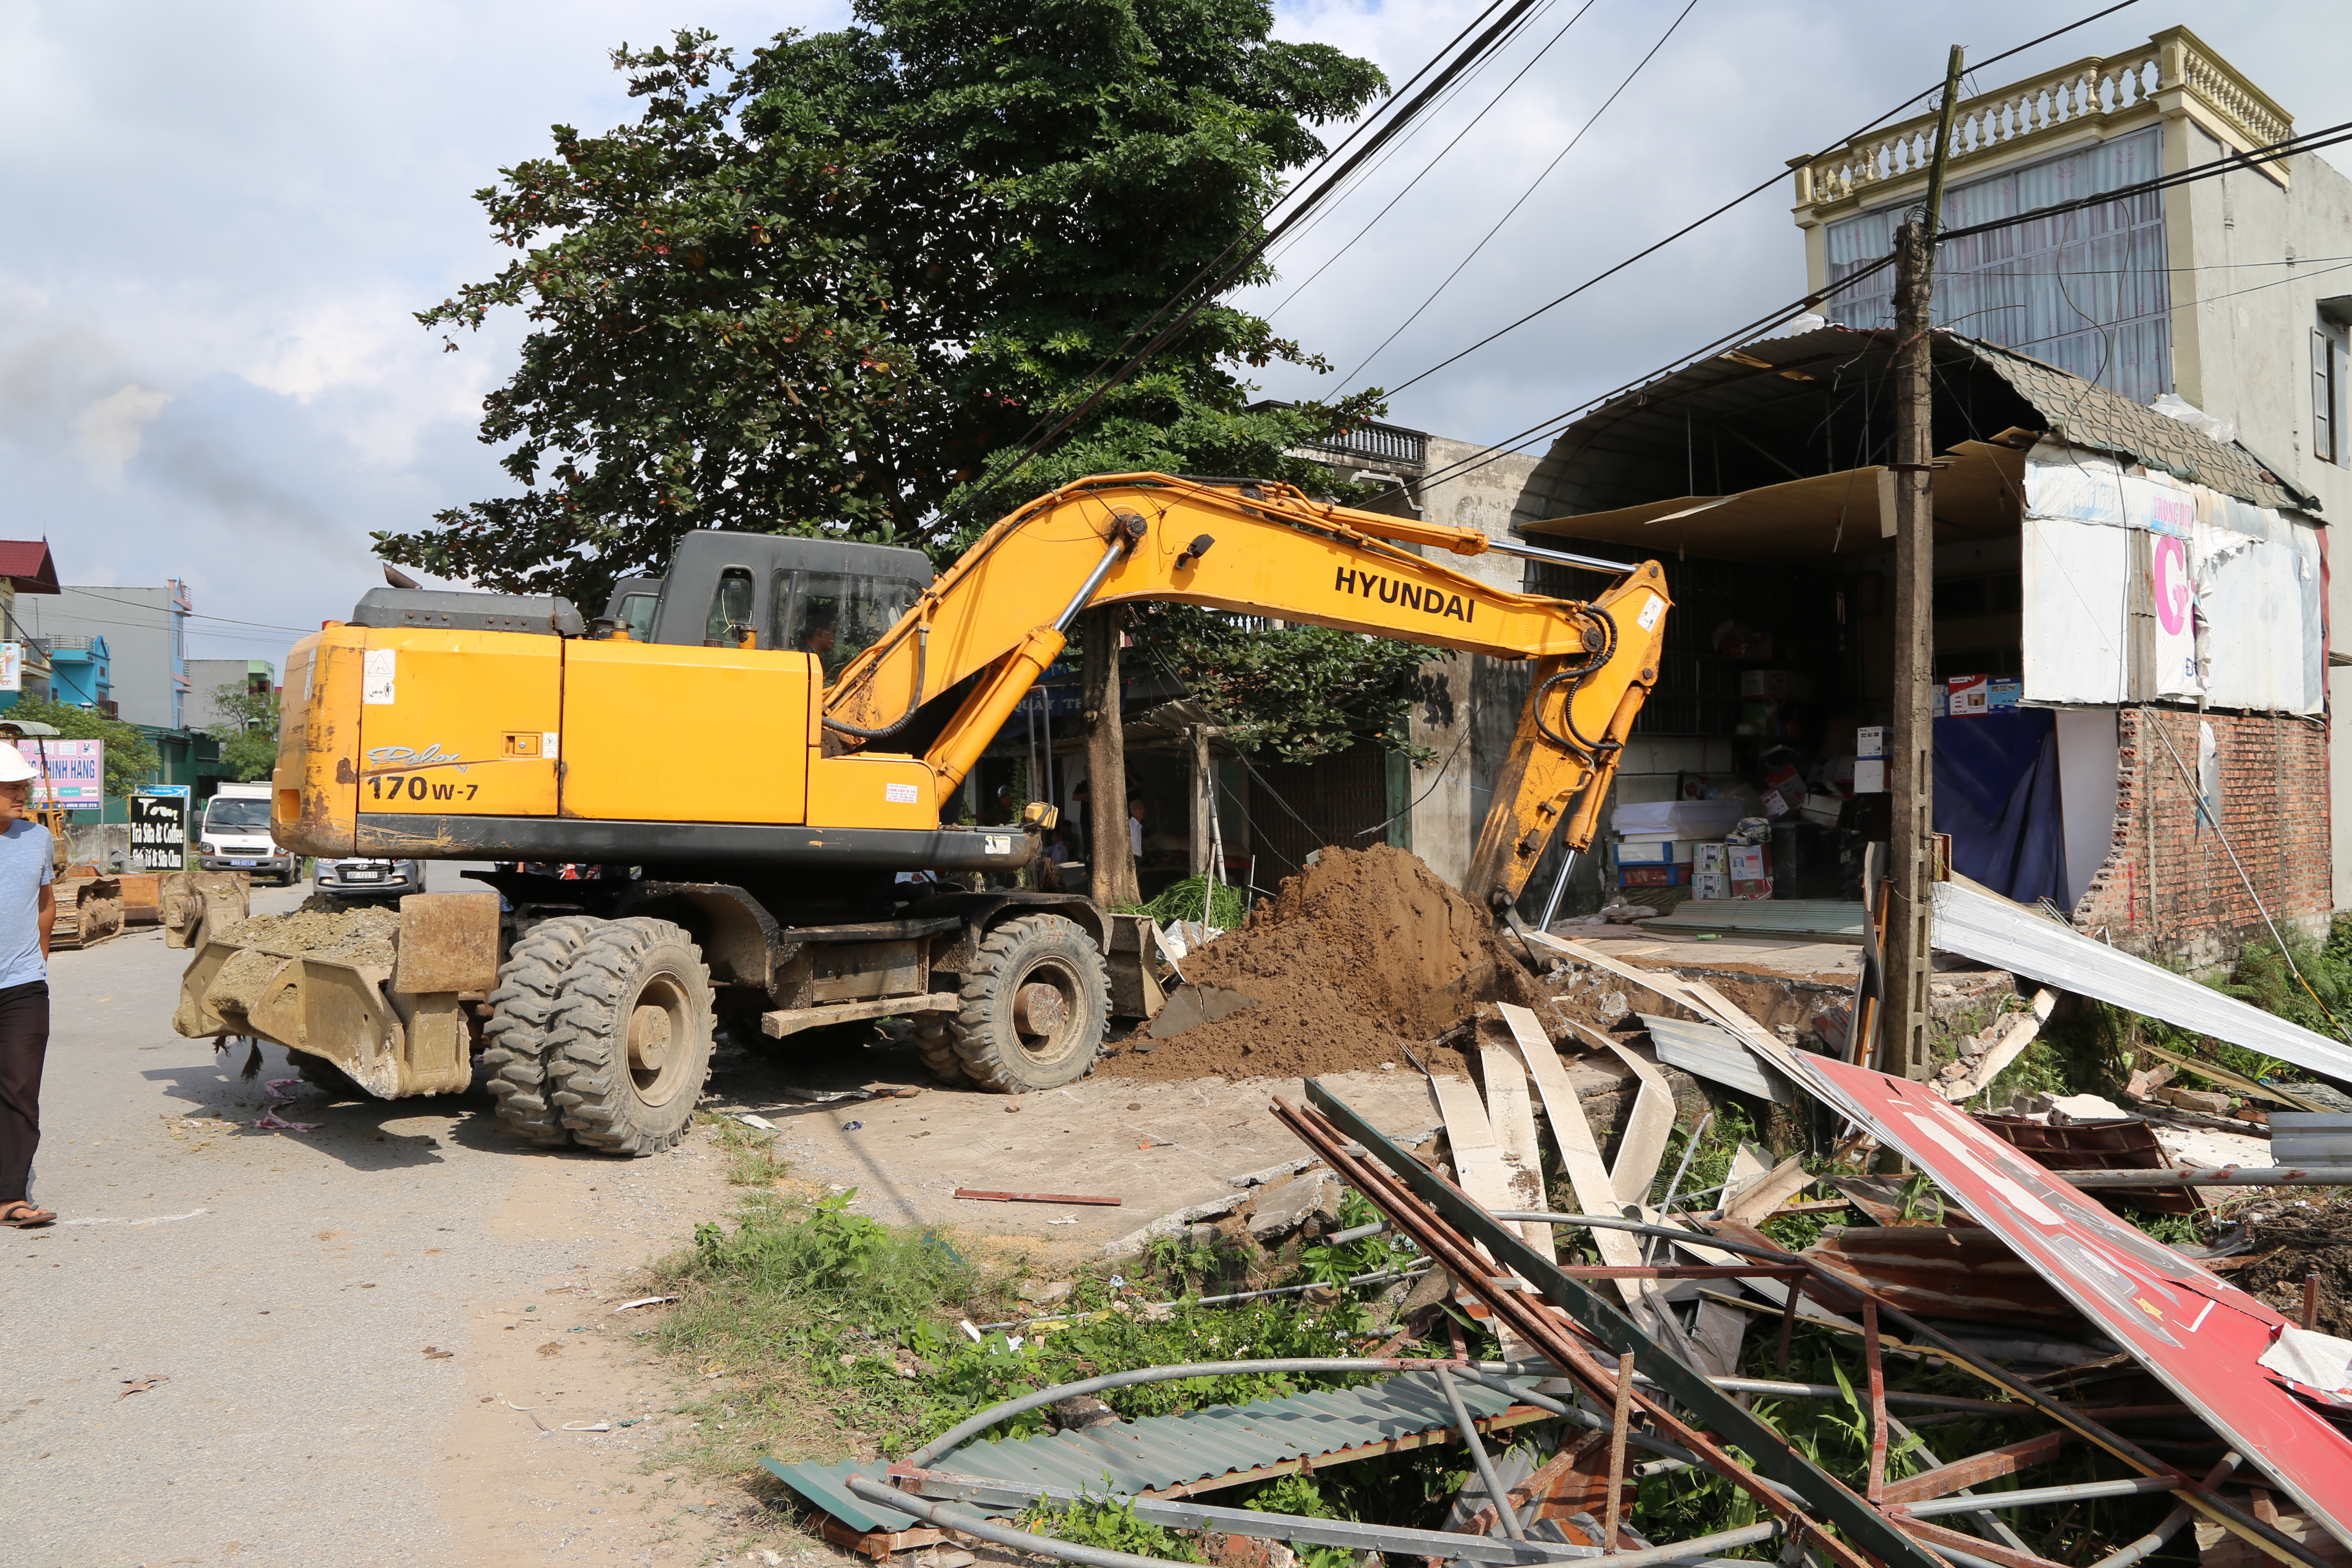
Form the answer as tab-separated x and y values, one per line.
699	803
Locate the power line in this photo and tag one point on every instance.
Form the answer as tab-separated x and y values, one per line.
2311	142
1430	167
190	615
1532	186
1746	196
1396	122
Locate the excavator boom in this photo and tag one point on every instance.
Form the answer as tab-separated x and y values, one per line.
1002	612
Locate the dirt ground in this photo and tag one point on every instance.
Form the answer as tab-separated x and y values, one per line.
2291	1242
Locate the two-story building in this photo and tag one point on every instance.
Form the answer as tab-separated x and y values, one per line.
26	567
2140	406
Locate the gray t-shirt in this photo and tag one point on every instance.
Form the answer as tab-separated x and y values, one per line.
27	864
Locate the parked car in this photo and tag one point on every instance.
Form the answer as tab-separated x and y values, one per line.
361	878
235	835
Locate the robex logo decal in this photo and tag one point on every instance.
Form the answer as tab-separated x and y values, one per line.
1410	596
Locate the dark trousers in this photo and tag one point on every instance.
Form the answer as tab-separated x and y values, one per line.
23	1043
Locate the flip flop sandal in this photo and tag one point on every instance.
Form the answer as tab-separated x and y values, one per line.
22	1215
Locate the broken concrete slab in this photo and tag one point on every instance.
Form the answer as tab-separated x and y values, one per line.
1283	1209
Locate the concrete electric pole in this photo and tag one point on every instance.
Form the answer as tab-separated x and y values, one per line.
1911	749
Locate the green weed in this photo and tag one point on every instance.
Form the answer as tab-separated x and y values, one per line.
1110	1523
1228	907
752	1157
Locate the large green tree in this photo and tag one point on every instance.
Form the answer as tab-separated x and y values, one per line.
829	288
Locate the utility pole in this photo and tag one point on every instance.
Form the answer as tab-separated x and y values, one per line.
1110	863
1911	749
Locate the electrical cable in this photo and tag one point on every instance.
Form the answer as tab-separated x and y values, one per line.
1533	185
1744	196
135	604
2310	142
1396	122
1429	168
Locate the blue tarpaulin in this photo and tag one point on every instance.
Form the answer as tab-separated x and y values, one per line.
1997	796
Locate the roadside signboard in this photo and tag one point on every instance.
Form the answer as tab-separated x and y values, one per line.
159	828
12	667
68	775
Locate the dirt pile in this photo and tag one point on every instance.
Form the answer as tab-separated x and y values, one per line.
2290	1245
365	936
1366	951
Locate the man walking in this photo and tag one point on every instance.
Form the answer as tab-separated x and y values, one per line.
28	902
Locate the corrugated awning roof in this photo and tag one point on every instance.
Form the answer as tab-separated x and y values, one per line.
1818	403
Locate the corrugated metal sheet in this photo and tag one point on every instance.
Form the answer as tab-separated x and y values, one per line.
1163	1451
1796	919
1716	1054
2311	1138
2129	1145
1944	1272
1989	929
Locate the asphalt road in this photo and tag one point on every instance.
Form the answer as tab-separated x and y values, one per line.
289	1285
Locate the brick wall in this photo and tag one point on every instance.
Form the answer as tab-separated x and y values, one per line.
2169	888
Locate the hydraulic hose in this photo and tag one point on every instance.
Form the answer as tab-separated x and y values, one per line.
914	699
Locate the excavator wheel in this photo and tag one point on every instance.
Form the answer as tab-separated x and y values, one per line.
522	1009
935	1041
629	1046
1036	1003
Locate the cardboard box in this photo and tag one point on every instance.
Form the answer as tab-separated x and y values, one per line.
1654	875
1940	700
1710	857
1824	809
1757	888
1870	740
2003	693
1785	684
1649	851
1711	885
1970	696
1870	776
1751	862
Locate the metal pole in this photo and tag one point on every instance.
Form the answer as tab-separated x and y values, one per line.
1509	1515
1559	887
1911	743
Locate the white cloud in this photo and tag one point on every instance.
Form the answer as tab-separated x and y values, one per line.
108	433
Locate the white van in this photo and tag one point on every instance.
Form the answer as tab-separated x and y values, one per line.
235	835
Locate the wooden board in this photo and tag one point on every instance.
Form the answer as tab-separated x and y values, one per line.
1670	986
1479	1170
1760	1198
1512	1116
1639	1152
2012	1045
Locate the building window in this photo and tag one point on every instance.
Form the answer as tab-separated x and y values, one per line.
2086	291
2326	443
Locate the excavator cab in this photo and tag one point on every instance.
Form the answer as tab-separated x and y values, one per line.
828	598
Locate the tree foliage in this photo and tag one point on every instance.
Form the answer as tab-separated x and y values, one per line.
831	288
130	757
1302	693
248	730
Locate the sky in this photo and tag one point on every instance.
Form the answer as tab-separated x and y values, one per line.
226	215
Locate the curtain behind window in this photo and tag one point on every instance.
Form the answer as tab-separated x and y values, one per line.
2086	291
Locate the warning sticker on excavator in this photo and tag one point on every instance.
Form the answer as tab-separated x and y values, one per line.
1651	608
378	669
901	795
996	843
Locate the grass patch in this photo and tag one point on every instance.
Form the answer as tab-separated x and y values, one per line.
824	1332
751	1154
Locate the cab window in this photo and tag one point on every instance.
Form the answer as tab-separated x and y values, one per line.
836	616
637	615
730	609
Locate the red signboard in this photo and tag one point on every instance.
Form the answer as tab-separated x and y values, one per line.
2203	1336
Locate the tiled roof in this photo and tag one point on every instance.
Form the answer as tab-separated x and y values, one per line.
2088	415
26	563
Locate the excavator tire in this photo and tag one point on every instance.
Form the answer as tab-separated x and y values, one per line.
935	1042
629	1046
1009	1033
522	1008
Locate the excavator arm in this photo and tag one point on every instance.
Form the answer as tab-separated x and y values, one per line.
1000	615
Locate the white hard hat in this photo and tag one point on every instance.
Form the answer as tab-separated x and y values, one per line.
14	768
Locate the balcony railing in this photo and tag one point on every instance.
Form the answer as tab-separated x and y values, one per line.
1367	442
2085	95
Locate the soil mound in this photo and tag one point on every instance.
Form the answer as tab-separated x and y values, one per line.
1364	952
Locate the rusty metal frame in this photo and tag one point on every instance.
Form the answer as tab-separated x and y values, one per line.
1439	1217
1405	1178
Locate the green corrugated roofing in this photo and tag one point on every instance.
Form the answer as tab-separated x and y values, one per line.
1170	1450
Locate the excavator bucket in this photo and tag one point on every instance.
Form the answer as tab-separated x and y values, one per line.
391	1042
197	905
89	910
